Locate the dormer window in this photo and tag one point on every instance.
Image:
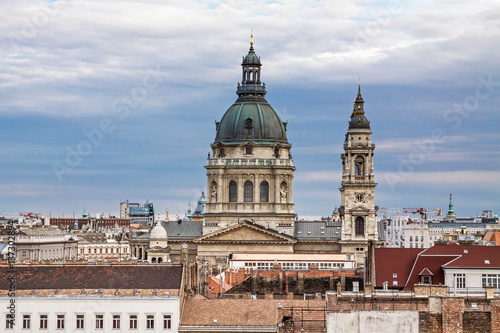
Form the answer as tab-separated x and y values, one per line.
222	152
248	151
249	123
276	152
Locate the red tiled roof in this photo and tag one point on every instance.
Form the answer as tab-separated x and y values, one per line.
410	264
390	261
95	277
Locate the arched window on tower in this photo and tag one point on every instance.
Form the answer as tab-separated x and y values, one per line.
359	225
264	191
233	191
359	166
248	191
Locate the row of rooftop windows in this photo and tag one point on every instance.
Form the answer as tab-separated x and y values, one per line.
82	251
80	322
294	265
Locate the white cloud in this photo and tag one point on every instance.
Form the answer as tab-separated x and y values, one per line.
85	53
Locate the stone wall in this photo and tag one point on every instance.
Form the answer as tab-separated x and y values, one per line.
435	314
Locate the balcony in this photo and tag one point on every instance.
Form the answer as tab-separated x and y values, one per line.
353	179
249	162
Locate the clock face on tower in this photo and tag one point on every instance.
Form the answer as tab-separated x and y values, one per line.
359	197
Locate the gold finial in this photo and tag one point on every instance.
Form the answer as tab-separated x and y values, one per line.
251	37
359	85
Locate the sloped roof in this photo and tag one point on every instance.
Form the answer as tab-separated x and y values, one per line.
409	263
390	261
425	271
94	277
257	313
183	230
317	230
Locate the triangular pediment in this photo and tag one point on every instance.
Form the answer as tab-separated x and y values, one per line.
360	209
246	232
158	249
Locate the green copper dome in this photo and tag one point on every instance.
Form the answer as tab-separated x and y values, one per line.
251	118
254	121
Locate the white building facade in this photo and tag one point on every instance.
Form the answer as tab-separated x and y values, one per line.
75	313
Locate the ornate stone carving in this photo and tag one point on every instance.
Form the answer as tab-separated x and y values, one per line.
283	194
213	194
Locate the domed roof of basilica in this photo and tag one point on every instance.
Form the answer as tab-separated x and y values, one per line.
251	118
254	121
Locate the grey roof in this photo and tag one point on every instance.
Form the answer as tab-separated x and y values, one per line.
318	230
183	229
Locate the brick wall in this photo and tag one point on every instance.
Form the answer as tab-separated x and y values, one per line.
477	322
452	310
430	322
495	316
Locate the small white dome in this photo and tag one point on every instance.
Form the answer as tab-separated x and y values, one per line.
158	232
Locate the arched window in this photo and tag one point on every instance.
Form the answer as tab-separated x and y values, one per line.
359	225
160	260
248	191
264	191
153	260
233	191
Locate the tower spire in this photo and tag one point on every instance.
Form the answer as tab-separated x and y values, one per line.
358	119
451	212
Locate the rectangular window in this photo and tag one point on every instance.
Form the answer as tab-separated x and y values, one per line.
60	322
116	322
459	281
9	322
150	322
43	322
80	321
26	321
133	322
491	280
167	321
248	151
99	321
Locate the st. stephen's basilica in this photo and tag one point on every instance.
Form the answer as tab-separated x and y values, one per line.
249	205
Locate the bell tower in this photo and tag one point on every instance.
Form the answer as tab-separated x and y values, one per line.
358	211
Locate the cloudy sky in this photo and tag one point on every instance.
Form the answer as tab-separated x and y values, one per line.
104	101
